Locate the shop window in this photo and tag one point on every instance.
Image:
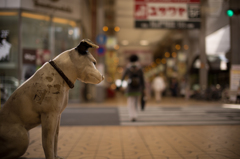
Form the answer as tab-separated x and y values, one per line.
8	43
35	42
67	34
35	31
8	53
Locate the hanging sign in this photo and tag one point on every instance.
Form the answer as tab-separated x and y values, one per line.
169	14
101	39
101	50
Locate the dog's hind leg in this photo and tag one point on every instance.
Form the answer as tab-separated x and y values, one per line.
13	141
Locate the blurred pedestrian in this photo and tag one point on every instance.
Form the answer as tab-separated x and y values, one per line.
174	87
158	85
183	87
135	86
238	95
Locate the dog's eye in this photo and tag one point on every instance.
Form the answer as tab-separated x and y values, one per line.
94	63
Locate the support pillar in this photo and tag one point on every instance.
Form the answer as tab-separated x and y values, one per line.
20	61
203	72
235	33
235	51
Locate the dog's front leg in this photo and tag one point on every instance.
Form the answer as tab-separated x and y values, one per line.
56	139
49	125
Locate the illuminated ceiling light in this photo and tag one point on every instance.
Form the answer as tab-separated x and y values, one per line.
178	47
117	29
174	54
8	13
163	60
35	16
144	42
64	21
105	28
116	47
167	54
185	47
125	42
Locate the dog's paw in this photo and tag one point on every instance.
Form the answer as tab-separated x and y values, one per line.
59	157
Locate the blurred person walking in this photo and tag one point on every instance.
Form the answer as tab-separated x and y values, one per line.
174	87
238	95
135	86
158	85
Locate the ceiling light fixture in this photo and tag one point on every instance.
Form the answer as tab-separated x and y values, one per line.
178	47
105	28
117	29
125	42
144	42
116	47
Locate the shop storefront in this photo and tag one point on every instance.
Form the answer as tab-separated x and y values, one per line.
32	33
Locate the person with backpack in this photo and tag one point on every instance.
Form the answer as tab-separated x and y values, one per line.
135	86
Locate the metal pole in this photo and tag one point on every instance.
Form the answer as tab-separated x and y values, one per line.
51	38
203	72
20	61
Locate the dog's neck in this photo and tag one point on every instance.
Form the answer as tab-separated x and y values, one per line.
64	63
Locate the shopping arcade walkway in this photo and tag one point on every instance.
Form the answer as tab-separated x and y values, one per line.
142	142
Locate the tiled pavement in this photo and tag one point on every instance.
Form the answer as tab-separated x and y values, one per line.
142	142
145	142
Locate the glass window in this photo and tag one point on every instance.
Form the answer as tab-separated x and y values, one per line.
35	42
9	23
67	34
35	31
9	43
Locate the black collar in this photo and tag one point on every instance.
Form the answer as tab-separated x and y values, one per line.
70	84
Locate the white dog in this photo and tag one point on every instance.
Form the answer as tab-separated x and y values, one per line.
42	99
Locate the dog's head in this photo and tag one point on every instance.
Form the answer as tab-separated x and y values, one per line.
85	63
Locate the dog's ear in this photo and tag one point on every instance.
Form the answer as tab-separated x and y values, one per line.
84	45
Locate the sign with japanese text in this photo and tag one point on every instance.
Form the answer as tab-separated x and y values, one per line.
29	56
169	14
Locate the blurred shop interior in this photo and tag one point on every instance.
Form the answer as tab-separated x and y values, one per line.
195	42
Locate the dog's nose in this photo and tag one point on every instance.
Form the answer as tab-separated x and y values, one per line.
102	77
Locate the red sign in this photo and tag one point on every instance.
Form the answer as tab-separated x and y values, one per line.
171	1
164	11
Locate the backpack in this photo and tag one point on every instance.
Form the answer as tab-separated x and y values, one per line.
134	77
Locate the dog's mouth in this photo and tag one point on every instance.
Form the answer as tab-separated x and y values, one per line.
92	79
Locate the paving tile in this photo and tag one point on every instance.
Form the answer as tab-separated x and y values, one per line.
142	142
